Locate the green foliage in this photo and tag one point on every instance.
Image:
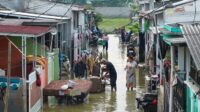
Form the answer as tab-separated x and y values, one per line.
134	27
89	7
98	18
135	8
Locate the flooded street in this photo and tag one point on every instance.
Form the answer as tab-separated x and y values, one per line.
120	101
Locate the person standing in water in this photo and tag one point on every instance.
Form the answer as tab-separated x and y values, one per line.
105	41
130	73
112	73
123	34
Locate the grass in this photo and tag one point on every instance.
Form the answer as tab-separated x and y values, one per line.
109	24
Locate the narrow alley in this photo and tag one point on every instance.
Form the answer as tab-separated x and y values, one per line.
120	101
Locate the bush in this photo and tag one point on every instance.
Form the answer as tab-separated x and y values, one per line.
98	18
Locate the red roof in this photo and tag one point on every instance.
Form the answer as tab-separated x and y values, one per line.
25	30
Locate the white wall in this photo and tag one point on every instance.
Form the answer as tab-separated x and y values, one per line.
183	13
113	11
181	58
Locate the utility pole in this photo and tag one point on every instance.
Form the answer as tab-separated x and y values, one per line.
24	78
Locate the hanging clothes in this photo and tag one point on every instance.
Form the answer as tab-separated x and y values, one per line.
90	64
96	70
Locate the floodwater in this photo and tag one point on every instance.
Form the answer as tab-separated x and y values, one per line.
119	101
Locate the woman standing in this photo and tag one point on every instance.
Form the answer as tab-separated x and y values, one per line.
130	73
105	40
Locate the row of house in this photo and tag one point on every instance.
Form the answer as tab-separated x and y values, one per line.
35	37
171	33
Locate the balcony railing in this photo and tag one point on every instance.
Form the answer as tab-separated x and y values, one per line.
195	75
179	93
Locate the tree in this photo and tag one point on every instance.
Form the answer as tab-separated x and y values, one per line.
134	27
98	18
135	8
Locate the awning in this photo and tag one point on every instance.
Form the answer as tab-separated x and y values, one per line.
191	33
28	31
166	32
179	40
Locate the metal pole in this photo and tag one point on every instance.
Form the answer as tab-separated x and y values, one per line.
51	45
41	50
24	73
36	46
187	64
8	78
171	79
44	46
57	39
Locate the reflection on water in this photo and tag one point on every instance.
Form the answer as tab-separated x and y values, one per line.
120	101
123	51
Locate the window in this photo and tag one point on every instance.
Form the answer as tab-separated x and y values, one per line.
76	20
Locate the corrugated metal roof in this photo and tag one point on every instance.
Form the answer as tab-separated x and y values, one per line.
29	31
19	22
31	15
55	9
192	35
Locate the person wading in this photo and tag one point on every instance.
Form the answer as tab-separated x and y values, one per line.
113	74
105	42
130	72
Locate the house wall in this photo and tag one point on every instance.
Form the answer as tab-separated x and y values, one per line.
53	65
56	64
160	19
76	46
192	103
181	58
35	94
45	75
82	23
192	100
183	13
50	67
16	57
